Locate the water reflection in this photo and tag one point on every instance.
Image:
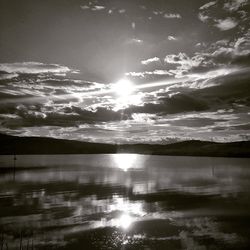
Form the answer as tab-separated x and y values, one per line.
130	211
124	221
125	161
102	203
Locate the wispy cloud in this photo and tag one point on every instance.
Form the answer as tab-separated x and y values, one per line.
207	5
156	72
93	7
135	41
172	38
97	7
151	60
121	11
172	16
84	7
33	68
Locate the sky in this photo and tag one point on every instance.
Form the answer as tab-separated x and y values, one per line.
134	71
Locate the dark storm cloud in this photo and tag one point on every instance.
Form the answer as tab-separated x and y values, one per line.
228	89
36	115
176	104
224	91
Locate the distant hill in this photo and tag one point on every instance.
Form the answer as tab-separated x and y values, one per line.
42	145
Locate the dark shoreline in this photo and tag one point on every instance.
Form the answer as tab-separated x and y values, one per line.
11	145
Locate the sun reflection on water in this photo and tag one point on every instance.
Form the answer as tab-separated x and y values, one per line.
124	221
130	212
126	206
125	161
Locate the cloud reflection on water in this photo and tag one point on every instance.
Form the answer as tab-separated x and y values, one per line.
169	194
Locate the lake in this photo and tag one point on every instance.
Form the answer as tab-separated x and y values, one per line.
124	201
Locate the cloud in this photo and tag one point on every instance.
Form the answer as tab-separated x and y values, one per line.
5	75
221	55
33	68
172	38
93	8
226	24
228	88
234	5
189	114
158	12
161	72
207	5
172	16
121	11
135	41
170	105
193	67
230	55
181	58
185	63
223	90
151	60
204	18
98	7
233	53
219	43
36	82
156	72
84	7
31	116
212	79
243	42
225	15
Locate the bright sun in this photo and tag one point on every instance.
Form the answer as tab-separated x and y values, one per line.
123	88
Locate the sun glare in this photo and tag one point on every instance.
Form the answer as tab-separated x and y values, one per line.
124	221
123	87
125	161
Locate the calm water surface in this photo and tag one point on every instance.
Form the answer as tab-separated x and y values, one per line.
124	201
